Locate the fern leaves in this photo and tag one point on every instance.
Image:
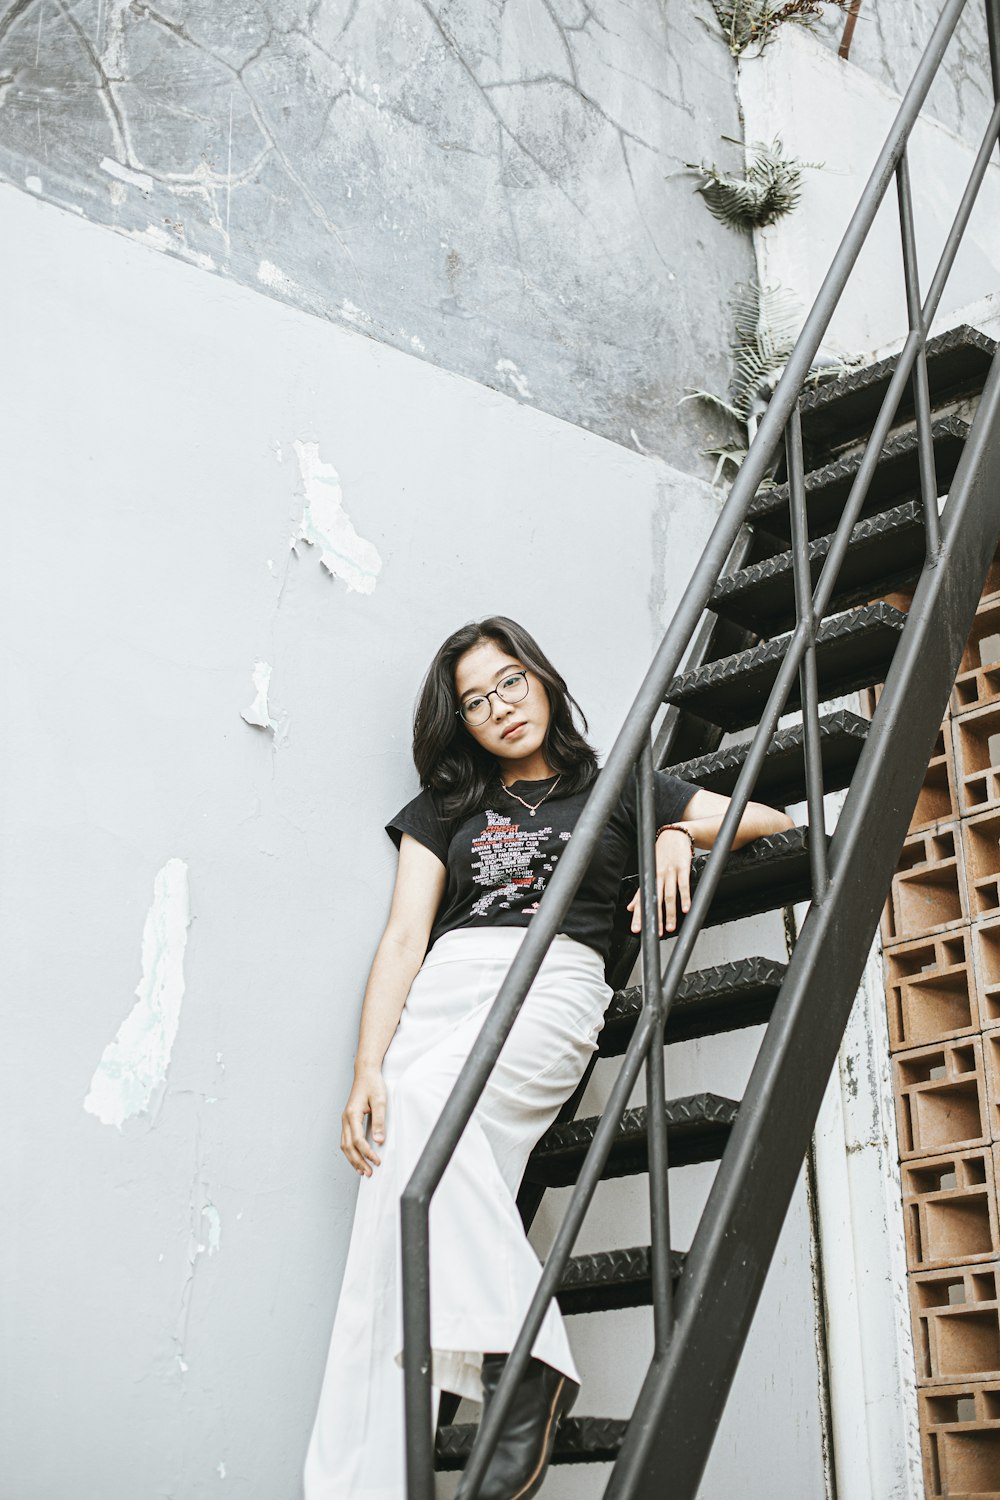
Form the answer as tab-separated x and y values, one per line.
771	188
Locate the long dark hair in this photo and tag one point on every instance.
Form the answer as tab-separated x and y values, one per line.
449	761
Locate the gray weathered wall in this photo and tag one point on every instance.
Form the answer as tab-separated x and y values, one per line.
890	35
490	186
195	873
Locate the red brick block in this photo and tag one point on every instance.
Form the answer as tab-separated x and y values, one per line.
980	842
991	1064
950	1209
977	681
927	893
931	989
975	741
941	1101
986	968
956	1323
937	801
960	1438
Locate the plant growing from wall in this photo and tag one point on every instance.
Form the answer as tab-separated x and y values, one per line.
770	189
768	321
748	22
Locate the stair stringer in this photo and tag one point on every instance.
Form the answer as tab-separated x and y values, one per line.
681	1400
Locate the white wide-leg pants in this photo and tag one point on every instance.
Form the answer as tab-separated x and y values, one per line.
483	1271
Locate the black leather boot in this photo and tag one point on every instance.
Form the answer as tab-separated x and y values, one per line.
544	1396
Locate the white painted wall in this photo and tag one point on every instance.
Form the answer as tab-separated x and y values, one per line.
195	900
828	111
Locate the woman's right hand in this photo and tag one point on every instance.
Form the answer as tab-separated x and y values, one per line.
366	1097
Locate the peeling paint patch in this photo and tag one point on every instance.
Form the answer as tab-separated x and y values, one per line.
33	184
268	274
127	174
325	524
258	714
112	45
159	239
211	1213
508	368
136	1061
221	1467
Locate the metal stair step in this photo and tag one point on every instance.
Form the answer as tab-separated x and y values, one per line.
698	1127
782	776
853	650
896	480
708	1001
579	1440
764	875
609	1279
885	552
844	410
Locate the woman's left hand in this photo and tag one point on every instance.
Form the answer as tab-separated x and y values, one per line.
673	880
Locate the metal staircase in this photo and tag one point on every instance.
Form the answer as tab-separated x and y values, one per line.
851	570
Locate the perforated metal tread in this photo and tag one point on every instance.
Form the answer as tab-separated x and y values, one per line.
698	1127
579	1440
782	776
708	1001
770	872
853	650
609	1279
885	552
896	479
844	409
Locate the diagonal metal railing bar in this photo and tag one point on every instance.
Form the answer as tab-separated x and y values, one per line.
921	383
669	1435
624	755
586	1184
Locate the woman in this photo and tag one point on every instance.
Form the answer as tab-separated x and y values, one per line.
494	740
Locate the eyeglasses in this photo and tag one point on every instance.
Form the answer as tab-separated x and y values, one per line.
512	689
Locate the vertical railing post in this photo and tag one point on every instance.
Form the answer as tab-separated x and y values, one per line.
808	684
656	1085
414	1226
921	385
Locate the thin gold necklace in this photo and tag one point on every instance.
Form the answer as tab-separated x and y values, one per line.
528	805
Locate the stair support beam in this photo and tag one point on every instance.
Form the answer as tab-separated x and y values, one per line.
682	1398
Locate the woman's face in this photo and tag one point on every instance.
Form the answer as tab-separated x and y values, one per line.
513	731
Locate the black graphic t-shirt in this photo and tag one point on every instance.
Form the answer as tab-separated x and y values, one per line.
500	859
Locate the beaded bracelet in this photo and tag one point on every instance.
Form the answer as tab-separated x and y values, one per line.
678	829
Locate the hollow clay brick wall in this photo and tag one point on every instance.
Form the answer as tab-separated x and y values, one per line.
941	945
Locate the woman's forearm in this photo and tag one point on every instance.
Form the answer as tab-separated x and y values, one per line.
757	821
393	970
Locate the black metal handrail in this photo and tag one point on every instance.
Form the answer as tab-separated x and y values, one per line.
632	751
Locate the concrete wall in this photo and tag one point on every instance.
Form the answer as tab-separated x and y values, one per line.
206	729
498	188
794	90
888	39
